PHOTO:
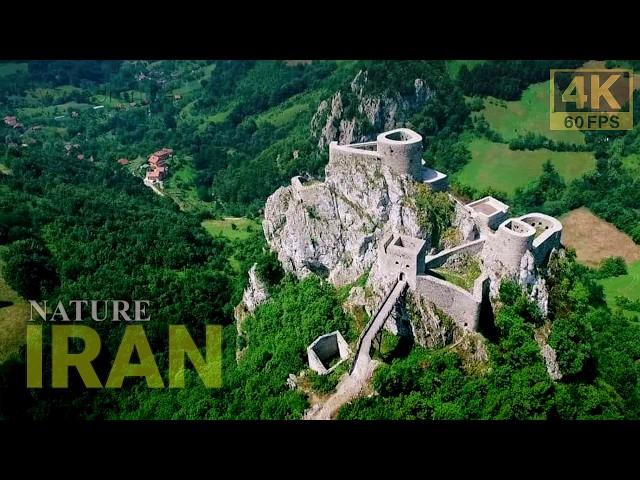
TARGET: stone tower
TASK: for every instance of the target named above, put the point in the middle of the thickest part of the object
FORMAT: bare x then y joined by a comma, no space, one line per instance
401,150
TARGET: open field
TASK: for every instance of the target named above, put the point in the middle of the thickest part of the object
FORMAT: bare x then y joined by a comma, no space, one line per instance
494,165
51,111
290,110
594,239
10,68
14,314
224,227
186,88
114,100
622,63
623,286
283,116
179,184
529,114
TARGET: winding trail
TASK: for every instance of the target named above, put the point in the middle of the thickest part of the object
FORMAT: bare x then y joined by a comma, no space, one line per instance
355,383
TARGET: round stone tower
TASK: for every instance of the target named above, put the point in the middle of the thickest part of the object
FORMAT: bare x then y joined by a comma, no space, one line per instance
401,149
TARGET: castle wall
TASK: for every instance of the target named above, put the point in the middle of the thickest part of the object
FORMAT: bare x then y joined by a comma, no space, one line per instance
474,248
487,224
488,220
437,181
347,154
305,191
462,306
548,239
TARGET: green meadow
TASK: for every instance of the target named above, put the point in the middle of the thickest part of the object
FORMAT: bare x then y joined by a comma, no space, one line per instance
495,165
529,114
623,286
233,228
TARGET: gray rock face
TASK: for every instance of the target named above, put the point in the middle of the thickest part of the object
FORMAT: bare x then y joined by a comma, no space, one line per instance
465,224
378,111
332,228
547,351
427,327
553,369
534,281
255,294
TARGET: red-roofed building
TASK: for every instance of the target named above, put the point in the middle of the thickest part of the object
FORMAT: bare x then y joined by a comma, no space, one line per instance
157,167
155,160
123,161
163,154
80,157
10,120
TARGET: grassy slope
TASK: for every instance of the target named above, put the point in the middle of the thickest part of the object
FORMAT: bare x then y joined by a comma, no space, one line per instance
529,114
494,165
625,285
224,227
13,319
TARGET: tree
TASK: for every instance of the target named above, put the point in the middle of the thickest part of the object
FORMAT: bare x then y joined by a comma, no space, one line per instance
29,269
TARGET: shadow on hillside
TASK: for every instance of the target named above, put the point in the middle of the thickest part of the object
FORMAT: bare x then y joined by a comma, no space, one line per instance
487,322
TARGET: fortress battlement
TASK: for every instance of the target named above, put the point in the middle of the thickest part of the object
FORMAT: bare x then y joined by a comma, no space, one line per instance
400,149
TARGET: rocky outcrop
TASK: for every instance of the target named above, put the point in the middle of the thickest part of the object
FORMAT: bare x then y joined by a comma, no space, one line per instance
472,349
254,294
533,280
548,353
350,114
465,225
333,228
429,327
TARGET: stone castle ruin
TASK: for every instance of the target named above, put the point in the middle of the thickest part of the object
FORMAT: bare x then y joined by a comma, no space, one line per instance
400,150
504,247
359,220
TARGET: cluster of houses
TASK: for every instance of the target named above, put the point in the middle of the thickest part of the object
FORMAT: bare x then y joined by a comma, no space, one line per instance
157,170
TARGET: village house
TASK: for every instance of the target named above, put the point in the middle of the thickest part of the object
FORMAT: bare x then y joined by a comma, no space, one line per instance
157,167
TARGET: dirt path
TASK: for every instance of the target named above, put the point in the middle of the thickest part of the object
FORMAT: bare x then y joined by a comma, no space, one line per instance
357,383
349,388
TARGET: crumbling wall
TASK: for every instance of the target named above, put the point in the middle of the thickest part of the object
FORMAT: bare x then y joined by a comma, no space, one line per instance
473,248
546,241
456,302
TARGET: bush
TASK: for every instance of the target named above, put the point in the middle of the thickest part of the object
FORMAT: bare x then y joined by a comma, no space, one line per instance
612,267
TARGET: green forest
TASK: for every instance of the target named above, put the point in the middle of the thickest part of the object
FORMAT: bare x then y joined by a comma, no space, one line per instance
76,228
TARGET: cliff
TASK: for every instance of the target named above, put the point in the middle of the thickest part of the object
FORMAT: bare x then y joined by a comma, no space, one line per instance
354,114
333,228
